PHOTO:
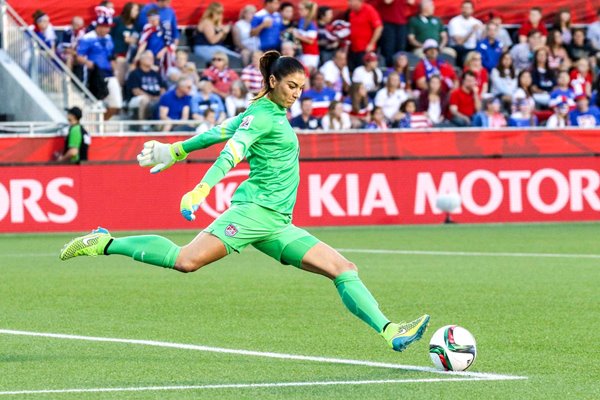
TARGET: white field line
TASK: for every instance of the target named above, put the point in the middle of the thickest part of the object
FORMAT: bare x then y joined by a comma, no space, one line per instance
402,252
239,386
262,354
469,253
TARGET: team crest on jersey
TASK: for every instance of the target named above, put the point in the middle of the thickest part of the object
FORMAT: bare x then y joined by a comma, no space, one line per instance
230,230
246,122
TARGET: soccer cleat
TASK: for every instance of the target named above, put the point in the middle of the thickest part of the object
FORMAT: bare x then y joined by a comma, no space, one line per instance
399,336
92,244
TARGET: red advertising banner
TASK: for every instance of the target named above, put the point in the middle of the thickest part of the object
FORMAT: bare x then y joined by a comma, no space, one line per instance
189,12
335,145
78,198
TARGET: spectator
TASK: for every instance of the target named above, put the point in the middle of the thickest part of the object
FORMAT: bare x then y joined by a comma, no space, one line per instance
490,48
43,29
412,119
243,41
320,95
220,74
288,25
503,35
425,26
208,121
523,116
251,75
394,16
522,53
377,121
533,23
177,70
369,74
431,65
593,34
207,98
464,30
306,119
390,98
402,68
583,115
210,34
358,105
125,38
504,79
336,118
543,78
579,48
267,26
582,78
562,23
490,116
434,102
190,71
143,87
336,72
67,48
473,64
464,101
174,105
77,140
524,90
238,100
365,31
558,57
95,51
563,90
560,117
326,38
154,38
168,20
307,33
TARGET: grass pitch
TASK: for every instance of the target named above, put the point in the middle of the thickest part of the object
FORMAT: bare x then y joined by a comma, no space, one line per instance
533,315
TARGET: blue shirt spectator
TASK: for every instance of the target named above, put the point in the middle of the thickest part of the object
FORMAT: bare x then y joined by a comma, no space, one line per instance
175,100
584,116
168,20
202,101
267,25
490,53
97,49
519,120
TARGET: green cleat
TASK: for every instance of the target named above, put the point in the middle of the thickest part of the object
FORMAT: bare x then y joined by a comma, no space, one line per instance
399,336
92,244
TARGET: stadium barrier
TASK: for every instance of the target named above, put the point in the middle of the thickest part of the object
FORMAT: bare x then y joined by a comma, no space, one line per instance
331,193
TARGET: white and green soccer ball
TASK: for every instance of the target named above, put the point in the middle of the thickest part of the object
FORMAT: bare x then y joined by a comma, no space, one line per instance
452,348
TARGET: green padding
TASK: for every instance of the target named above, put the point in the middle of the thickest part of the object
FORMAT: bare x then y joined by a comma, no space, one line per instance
294,252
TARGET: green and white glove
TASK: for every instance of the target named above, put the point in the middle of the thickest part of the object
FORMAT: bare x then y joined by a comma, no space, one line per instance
190,202
160,156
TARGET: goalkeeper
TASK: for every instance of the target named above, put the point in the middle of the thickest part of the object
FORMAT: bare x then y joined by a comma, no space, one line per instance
261,208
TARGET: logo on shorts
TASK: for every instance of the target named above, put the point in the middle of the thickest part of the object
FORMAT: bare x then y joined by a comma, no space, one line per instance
231,230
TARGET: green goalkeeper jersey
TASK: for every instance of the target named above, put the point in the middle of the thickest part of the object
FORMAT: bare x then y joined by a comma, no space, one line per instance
266,139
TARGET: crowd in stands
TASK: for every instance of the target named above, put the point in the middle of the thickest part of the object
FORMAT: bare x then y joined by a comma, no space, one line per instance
379,65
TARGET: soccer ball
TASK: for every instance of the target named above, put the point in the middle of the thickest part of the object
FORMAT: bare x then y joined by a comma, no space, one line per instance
452,348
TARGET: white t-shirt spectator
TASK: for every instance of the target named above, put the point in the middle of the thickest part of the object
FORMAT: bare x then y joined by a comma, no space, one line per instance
367,78
390,102
593,35
335,125
335,76
460,26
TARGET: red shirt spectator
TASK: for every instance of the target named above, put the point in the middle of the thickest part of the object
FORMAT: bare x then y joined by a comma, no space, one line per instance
395,12
533,22
363,23
430,65
527,26
464,101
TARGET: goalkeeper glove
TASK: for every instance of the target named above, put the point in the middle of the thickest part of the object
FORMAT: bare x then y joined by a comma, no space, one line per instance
192,200
160,156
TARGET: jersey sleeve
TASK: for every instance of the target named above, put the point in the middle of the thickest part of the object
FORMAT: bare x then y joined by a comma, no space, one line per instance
217,134
253,126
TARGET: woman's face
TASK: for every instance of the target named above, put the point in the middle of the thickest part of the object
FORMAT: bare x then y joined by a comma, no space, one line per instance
475,63
362,91
541,56
378,115
401,62
411,107
506,61
578,38
525,80
43,22
565,16
249,13
236,91
287,13
302,10
435,85
525,107
557,37
286,91
338,110
564,79
135,11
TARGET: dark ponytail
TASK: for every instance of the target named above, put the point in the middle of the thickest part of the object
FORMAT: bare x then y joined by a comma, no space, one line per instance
273,63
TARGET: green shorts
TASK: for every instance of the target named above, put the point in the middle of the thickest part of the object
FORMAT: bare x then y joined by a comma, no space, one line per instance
269,231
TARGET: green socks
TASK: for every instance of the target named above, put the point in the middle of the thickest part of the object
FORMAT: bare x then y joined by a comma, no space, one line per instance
149,249
357,298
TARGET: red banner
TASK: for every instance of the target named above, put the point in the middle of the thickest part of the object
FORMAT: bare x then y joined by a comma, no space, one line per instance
421,144
77,198
189,12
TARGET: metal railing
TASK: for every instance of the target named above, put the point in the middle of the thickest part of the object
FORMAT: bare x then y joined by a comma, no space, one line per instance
44,67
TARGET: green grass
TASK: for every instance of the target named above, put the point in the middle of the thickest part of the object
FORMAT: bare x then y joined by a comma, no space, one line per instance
531,316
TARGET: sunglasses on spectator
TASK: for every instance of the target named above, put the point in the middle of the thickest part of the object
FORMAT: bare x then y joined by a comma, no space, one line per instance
218,59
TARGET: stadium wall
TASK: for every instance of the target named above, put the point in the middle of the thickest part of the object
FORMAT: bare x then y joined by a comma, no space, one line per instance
331,193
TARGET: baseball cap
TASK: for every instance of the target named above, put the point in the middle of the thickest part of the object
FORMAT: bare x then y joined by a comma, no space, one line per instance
370,56
75,111
430,44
